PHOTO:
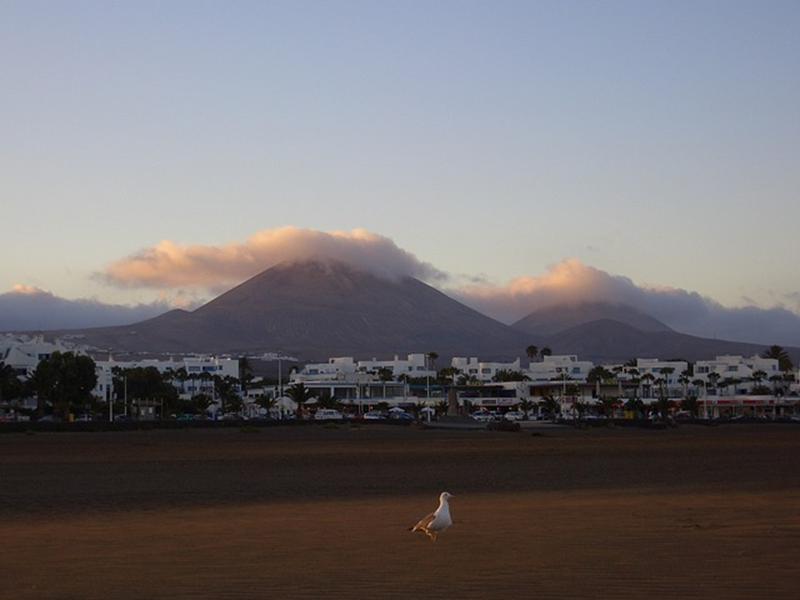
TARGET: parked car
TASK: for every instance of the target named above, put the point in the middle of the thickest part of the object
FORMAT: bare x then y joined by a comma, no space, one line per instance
49,419
374,415
400,416
328,414
482,416
514,415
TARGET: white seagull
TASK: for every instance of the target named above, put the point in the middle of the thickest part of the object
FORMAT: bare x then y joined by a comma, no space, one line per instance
439,520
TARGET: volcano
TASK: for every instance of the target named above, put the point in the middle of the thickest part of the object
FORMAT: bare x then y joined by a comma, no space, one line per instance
314,310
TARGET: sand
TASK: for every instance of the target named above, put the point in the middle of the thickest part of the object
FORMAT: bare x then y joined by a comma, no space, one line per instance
311,512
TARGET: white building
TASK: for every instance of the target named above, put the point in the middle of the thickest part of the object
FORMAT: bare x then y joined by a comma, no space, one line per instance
737,368
556,367
414,365
668,370
482,371
193,366
341,368
23,353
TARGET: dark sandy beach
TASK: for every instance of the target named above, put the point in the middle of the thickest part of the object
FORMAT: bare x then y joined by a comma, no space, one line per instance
311,512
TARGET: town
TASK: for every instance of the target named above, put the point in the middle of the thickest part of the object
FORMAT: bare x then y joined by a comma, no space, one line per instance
550,386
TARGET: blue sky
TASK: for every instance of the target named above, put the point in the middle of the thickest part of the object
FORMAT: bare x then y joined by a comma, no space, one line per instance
658,140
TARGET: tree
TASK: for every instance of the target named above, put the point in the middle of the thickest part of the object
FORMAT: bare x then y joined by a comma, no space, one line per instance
148,384
300,394
267,403
608,406
779,354
713,379
508,375
684,381
432,357
326,400
550,406
448,374
385,375
666,372
689,403
11,387
775,380
757,377
580,408
245,372
200,402
598,375
526,405
648,378
532,352
66,380
545,352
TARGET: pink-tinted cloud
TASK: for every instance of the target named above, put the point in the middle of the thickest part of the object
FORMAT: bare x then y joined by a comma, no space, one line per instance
573,282
172,265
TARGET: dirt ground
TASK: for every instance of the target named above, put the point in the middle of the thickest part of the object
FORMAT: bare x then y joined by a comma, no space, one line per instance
314,512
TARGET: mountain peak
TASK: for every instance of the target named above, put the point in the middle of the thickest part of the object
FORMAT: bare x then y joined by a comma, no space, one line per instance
553,319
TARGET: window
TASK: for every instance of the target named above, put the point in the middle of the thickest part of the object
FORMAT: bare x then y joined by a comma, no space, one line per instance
732,368
486,371
576,370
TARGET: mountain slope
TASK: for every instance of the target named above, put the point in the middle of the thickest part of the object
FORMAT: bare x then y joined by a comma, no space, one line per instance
315,310
606,340
551,320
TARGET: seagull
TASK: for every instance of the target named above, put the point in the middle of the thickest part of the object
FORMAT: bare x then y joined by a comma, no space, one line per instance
439,520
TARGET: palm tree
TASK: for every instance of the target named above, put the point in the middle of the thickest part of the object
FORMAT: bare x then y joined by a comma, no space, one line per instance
267,403
689,403
757,377
532,352
666,372
385,375
545,352
526,405
550,405
684,381
779,354
431,359
775,380
245,373
713,379
300,394
648,378
609,404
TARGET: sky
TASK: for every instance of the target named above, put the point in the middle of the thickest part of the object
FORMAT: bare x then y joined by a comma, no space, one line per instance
651,141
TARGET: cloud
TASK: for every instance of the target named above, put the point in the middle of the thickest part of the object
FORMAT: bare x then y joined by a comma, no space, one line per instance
170,265
573,282
27,308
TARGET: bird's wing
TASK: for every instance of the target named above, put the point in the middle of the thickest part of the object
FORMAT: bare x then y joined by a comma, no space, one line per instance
424,522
